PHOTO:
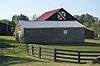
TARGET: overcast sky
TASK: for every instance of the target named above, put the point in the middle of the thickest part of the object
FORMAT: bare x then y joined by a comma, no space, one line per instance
8,8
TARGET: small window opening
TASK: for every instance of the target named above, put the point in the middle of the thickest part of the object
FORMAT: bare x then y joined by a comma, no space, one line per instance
65,31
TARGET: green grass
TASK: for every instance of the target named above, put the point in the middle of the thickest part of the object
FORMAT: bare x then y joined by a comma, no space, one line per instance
17,56
18,49
88,45
53,64
10,39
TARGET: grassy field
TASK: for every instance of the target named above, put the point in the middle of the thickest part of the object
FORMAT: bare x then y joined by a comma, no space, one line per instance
54,64
88,45
17,55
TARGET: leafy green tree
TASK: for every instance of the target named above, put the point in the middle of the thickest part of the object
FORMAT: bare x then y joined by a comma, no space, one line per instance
5,21
23,17
96,27
90,22
87,19
15,18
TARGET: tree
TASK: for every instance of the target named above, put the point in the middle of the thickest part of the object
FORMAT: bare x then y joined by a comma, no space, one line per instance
87,19
23,17
15,18
96,27
5,21
90,22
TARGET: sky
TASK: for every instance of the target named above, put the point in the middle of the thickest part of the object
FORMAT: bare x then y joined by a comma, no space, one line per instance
8,8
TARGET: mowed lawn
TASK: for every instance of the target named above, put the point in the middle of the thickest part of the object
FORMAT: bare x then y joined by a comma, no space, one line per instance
53,64
17,56
88,45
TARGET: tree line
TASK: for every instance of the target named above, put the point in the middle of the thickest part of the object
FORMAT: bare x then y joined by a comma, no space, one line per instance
90,22
15,18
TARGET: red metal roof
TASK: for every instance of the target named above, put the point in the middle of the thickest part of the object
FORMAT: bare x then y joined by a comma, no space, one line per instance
46,15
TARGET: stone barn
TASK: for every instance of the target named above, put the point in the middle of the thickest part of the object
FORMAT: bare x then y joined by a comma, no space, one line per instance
50,32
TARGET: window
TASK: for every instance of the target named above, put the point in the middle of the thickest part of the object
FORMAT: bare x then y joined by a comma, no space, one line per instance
65,31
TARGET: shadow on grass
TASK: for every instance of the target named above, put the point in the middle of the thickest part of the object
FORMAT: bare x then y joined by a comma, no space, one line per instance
92,44
82,44
9,60
5,45
71,62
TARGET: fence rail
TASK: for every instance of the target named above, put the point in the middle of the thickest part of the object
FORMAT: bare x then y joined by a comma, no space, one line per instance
64,55
41,52
76,55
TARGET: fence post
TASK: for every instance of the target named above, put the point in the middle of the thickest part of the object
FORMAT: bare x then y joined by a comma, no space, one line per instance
55,55
39,52
32,50
27,47
1,51
78,56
